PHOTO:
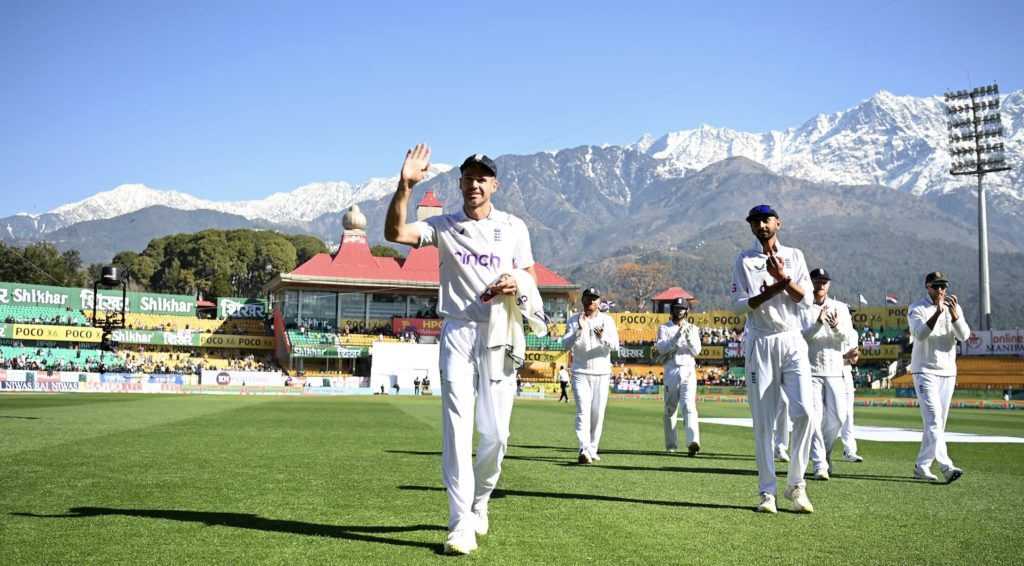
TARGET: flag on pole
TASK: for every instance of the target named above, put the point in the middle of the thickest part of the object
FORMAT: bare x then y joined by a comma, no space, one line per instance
863,301
892,299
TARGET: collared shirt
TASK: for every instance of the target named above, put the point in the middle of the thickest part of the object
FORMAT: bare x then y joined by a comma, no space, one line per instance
750,277
474,253
591,355
934,349
680,342
826,345
563,376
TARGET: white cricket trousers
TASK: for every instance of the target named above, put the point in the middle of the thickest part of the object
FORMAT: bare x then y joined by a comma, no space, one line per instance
591,392
782,425
680,390
774,364
829,415
849,442
934,392
464,373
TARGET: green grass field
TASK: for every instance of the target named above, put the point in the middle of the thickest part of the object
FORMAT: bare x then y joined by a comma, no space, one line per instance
136,479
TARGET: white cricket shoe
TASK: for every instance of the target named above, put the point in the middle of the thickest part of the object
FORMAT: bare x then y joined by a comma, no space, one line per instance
595,457
692,449
460,542
585,458
798,495
821,475
924,474
780,455
952,474
482,523
767,504
853,458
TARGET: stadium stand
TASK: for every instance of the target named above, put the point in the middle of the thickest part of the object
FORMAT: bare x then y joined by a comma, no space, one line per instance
534,342
172,323
645,336
63,359
20,314
980,372
322,338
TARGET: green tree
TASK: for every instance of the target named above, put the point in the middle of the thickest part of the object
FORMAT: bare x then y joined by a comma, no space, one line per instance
41,263
305,247
385,251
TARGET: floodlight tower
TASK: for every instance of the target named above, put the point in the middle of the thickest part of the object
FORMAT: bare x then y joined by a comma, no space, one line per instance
976,148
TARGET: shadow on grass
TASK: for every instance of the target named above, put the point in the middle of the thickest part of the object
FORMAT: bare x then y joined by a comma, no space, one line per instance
662,453
502,493
684,469
15,417
255,522
566,461
415,452
898,479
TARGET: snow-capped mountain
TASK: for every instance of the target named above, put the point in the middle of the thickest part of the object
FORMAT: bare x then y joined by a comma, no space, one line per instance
899,142
302,204
894,141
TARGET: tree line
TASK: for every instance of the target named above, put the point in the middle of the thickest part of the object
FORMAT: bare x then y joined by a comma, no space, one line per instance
211,263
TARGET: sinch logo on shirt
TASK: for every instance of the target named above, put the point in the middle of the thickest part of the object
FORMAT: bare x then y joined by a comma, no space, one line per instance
482,260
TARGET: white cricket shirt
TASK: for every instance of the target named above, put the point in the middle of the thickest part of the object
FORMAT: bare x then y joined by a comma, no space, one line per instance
473,254
591,355
749,279
825,345
934,349
680,349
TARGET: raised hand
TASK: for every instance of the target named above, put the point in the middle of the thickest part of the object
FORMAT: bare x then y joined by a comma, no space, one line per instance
951,303
776,266
832,319
416,165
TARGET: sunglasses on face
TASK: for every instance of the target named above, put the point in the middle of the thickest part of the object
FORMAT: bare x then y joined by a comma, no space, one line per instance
938,286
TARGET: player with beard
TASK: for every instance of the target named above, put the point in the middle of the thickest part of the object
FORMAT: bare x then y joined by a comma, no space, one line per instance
483,252
936,323
828,328
770,285
591,336
679,343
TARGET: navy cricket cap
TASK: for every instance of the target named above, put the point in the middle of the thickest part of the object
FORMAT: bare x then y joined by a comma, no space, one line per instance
591,291
679,303
820,273
935,277
761,210
482,160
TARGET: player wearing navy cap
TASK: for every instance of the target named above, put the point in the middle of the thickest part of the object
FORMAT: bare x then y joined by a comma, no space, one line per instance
590,336
677,344
936,323
828,328
770,285
480,249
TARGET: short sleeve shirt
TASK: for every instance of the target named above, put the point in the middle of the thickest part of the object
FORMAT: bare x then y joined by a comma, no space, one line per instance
749,279
474,253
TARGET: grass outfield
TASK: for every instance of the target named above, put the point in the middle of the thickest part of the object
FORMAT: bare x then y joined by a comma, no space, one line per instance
351,480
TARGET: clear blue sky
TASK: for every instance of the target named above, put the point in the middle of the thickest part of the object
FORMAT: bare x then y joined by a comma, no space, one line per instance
238,100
